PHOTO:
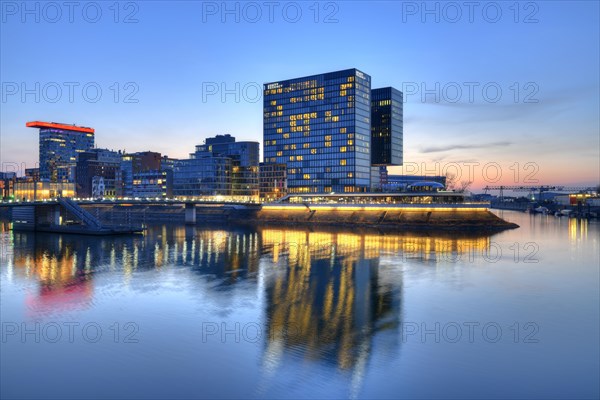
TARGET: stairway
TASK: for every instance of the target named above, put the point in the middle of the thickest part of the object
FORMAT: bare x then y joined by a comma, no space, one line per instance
80,213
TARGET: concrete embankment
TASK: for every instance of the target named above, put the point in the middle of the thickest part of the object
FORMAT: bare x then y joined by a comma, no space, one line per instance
475,219
140,213
442,219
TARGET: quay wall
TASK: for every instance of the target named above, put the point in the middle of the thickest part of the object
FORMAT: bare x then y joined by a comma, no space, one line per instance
479,219
445,219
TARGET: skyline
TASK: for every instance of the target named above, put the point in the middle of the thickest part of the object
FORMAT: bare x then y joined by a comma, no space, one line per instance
176,81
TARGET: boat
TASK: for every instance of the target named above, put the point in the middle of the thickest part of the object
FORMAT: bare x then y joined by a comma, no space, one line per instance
541,210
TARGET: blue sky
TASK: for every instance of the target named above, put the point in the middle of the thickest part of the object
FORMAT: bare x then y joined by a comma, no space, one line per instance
544,59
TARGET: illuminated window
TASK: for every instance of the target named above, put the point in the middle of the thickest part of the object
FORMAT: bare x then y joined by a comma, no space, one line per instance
343,162
313,151
306,145
343,149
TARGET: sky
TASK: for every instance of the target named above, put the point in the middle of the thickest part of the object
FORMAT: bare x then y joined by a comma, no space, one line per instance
495,92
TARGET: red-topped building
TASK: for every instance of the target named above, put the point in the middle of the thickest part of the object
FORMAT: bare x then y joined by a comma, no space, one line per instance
59,148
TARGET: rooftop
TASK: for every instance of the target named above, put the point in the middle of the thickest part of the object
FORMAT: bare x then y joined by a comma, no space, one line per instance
56,125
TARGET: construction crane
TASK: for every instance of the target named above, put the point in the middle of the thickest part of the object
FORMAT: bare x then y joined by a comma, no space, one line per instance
539,189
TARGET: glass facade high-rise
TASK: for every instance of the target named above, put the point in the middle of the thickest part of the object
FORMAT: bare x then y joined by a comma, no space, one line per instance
59,146
219,167
244,162
202,174
386,126
320,127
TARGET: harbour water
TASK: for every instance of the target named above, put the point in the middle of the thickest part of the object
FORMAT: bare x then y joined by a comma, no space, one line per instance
225,312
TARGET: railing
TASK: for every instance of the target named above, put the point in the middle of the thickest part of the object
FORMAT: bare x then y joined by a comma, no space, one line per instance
79,212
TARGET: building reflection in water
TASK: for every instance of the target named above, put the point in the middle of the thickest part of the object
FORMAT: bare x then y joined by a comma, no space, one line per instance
326,294
578,229
64,265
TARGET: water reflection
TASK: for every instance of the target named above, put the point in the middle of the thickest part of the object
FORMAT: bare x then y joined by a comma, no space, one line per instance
578,229
331,303
326,294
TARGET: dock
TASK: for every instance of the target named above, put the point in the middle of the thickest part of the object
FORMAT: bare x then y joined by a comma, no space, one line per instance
64,216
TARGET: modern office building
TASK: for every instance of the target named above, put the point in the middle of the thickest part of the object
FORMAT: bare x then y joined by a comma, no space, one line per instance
272,181
386,127
59,148
379,175
98,174
32,174
202,175
333,132
152,184
136,163
320,127
244,163
7,184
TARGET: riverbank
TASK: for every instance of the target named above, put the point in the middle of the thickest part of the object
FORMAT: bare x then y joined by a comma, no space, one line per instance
458,217
453,219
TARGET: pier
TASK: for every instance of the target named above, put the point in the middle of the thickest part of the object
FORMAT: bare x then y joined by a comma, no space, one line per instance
66,215
62,215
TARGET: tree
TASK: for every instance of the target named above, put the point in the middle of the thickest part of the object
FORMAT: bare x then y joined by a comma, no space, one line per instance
450,181
464,186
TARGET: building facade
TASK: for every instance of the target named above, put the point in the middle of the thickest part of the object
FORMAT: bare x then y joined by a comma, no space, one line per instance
242,175
272,181
320,127
202,175
152,184
59,148
386,127
33,191
98,174
7,184
135,163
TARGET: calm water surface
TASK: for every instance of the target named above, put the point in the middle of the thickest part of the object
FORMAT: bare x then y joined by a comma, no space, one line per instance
190,312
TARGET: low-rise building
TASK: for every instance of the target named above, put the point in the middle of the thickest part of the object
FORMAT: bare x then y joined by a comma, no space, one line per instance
272,181
28,190
7,184
152,184
400,183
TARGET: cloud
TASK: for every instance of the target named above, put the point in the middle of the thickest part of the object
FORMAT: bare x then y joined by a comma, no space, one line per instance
435,149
